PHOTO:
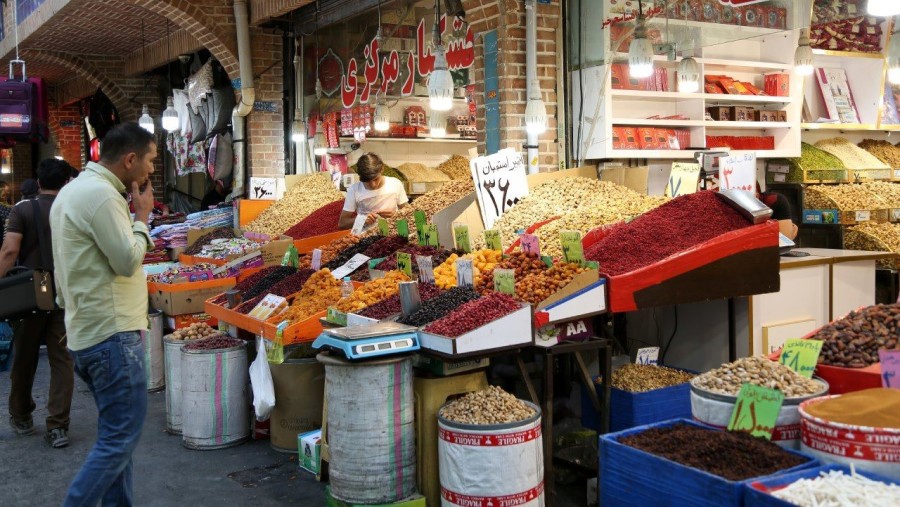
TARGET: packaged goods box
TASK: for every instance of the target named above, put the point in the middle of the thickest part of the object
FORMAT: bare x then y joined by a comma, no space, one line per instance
506,332
187,297
309,447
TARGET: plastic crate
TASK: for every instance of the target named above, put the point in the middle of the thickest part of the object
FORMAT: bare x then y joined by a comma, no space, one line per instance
628,409
631,477
757,493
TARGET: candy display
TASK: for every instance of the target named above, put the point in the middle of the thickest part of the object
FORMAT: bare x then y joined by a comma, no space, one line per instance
181,272
474,314
224,248
854,341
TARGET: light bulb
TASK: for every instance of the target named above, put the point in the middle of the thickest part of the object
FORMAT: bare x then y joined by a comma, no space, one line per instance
320,144
883,8
688,75
382,116
640,52
535,112
298,131
437,125
440,82
145,121
894,73
170,120
803,56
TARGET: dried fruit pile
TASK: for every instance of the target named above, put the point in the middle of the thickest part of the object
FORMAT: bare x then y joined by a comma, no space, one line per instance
732,455
301,200
331,250
457,168
346,254
490,406
246,284
220,233
372,292
319,292
196,331
440,306
286,287
215,342
758,371
537,287
854,341
640,378
271,278
474,314
524,264
385,246
391,305
438,256
665,231
322,221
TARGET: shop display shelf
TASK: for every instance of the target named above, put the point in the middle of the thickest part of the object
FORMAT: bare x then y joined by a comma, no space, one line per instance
299,332
512,330
307,245
628,409
759,493
249,209
186,297
709,97
449,138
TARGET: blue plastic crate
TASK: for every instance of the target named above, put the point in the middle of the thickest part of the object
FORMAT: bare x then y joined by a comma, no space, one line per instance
631,477
628,409
756,491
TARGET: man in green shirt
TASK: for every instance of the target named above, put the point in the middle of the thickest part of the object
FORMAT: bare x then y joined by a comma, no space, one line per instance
97,253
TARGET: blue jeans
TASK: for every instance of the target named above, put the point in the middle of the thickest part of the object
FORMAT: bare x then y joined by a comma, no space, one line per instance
114,372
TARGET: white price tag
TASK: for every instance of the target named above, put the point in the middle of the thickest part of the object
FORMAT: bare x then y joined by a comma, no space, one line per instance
500,183
896,173
426,268
895,215
464,273
647,355
359,225
683,179
263,188
317,259
352,265
738,172
863,216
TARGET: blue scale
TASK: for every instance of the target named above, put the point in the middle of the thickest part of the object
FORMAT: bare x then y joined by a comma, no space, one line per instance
370,340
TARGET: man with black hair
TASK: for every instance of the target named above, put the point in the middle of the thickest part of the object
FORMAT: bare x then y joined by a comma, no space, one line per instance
22,246
98,251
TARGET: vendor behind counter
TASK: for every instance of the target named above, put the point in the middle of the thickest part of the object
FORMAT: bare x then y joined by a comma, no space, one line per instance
374,196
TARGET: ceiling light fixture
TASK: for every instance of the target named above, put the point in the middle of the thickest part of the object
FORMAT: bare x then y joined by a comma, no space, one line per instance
440,82
688,75
382,116
146,121
320,144
883,8
803,55
640,51
170,120
437,125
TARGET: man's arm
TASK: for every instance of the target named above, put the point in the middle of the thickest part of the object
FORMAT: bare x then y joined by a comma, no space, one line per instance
124,244
345,221
12,244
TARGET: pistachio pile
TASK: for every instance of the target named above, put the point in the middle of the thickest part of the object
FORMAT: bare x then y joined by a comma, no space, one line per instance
419,172
884,150
846,197
887,191
305,197
875,237
759,371
457,168
639,378
490,406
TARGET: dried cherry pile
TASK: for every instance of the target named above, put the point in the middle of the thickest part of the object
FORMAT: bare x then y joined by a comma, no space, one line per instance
246,283
290,285
386,246
732,455
214,342
346,254
440,306
220,233
391,305
262,286
322,221
675,226
474,314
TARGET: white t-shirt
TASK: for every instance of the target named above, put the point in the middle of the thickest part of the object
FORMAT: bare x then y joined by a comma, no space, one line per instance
389,197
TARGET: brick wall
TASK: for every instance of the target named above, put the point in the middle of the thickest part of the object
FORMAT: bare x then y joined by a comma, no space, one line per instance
263,10
22,168
66,127
265,129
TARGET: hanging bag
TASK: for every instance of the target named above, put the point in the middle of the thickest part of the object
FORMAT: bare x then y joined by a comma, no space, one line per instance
17,104
24,290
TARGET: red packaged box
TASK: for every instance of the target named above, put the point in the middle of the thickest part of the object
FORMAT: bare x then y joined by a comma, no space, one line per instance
778,84
752,89
617,138
630,139
647,138
754,15
619,76
714,88
728,84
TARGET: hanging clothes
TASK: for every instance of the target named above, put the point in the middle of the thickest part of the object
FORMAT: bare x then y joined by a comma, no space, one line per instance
189,157
180,103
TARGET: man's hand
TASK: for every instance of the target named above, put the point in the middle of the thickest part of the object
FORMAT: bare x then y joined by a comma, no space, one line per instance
372,218
142,201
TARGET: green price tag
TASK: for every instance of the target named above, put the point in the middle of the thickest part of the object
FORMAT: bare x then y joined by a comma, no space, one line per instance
547,260
592,265
571,246
430,232
336,316
404,263
375,262
492,239
801,355
291,257
419,217
505,281
756,411
383,227
461,233
403,228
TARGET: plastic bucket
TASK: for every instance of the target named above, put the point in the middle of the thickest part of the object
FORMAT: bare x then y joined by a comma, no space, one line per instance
172,352
153,353
215,397
299,393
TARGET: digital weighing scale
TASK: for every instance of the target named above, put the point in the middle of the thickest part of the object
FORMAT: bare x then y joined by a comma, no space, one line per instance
370,340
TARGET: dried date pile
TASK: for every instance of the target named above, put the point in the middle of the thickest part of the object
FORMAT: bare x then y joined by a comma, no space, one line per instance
214,342
732,455
440,306
524,264
474,314
490,406
331,250
854,341
391,305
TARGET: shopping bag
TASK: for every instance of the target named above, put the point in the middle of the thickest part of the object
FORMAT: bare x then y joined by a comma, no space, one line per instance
261,381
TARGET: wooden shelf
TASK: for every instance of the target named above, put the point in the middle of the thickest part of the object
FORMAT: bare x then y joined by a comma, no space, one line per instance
758,99
859,127
848,54
733,65
689,154
727,32
646,122
448,139
714,97
750,125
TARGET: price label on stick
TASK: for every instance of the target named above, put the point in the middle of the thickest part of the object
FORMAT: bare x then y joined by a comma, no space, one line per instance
426,268
461,234
383,227
336,316
890,363
756,411
430,232
592,265
647,355
571,246
403,228
531,244
548,261
492,239
801,355
359,225
683,179
404,263
352,265
464,273
419,217
505,281
317,259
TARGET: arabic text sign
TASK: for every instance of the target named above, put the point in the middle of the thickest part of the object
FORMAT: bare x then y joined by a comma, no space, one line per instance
500,182
738,172
756,411
683,179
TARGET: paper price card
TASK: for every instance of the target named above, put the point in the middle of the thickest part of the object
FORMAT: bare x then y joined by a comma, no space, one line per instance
426,268
291,257
505,281
492,239
336,316
268,307
500,183
383,227
738,172
548,261
430,234
359,225
683,179
890,363
530,244
756,411
571,246
419,217
647,355
404,263
465,273
263,188
801,355
461,235
317,259
403,228
352,265
592,265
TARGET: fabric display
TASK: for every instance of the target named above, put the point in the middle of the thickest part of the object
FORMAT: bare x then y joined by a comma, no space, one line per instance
189,157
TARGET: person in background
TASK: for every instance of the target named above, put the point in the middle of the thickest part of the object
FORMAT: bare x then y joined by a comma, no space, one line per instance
374,196
5,193
30,188
97,252
216,195
781,211
21,245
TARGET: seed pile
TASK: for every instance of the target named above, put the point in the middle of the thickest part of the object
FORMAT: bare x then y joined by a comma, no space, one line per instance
490,406
757,371
854,341
883,150
322,221
665,231
433,201
391,305
876,408
640,378
440,306
819,165
346,254
835,489
524,264
536,287
372,292
474,314
846,196
419,172
875,237
457,168
319,292
220,233
385,246
298,202
196,331
331,250
731,455
850,154
214,342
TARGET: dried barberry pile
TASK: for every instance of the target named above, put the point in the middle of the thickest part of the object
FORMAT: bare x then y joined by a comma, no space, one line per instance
440,306
322,221
474,314
214,343
385,246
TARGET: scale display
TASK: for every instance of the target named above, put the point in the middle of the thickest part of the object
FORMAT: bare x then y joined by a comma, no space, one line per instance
370,340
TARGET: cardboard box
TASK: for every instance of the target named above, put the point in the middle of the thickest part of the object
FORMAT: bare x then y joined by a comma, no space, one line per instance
719,113
188,297
416,500
574,330
742,113
176,322
741,88
635,178
507,331
446,367
309,448
617,138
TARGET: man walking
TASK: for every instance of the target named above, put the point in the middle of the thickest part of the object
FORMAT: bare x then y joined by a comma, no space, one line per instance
22,243
98,251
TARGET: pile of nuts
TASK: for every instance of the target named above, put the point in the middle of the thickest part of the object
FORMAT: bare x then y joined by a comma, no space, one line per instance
875,237
640,378
331,250
440,306
884,150
819,165
215,342
319,292
846,196
850,154
196,331
372,292
758,371
298,202
432,202
889,192
854,341
537,287
524,264
491,406
419,172
474,314
457,168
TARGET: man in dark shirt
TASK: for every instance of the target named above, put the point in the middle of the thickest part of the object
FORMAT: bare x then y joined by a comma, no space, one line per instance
21,245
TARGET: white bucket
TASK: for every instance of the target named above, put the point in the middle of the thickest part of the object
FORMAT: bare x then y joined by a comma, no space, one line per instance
875,450
500,464
715,409
370,429
172,349
153,353
215,399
